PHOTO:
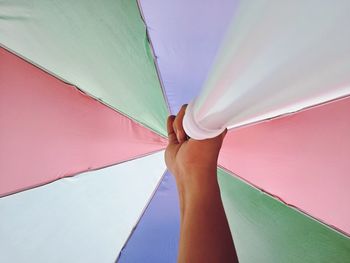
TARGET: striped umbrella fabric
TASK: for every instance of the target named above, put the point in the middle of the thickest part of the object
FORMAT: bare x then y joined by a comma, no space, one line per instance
85,90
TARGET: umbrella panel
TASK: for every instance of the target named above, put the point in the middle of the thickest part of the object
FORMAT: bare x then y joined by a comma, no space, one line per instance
50,129
86,218
101,48
302,159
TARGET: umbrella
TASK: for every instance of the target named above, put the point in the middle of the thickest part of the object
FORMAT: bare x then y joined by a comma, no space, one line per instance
85,89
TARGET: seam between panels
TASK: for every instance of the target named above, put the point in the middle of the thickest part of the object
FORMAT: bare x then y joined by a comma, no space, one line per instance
141,214
295,208
27,60
155,61
83,92
81,172
287,114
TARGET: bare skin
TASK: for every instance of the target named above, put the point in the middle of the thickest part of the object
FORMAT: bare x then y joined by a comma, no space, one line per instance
205,235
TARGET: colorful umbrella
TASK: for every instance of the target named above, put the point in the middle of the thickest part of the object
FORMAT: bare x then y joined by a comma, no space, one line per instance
84,97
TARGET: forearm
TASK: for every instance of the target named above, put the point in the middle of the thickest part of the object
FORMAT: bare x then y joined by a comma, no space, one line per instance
205,234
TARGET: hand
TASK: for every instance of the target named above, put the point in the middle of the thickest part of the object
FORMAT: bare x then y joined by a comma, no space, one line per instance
204,231
184,156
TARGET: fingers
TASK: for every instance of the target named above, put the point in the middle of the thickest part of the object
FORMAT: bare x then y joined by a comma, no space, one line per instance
176,132
171,133
177,125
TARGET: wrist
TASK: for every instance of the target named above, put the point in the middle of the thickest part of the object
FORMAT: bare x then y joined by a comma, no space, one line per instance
197,181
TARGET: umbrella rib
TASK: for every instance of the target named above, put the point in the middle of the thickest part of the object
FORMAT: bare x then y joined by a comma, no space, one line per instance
27,60
81,172
288,113
141,214
275,197
155,61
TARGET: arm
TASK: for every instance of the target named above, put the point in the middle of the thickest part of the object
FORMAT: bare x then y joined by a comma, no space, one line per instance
205,234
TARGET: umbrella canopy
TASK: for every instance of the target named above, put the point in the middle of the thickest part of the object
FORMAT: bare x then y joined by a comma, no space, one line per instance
85,89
